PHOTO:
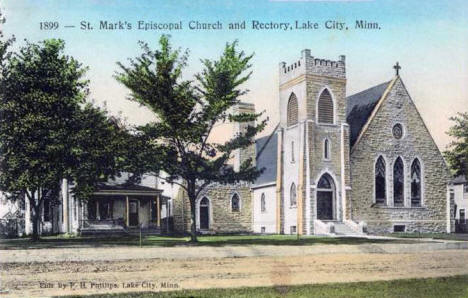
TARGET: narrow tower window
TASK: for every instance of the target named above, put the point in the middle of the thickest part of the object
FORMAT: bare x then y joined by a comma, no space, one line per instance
292,196
326,149
380,194
263,203
292,151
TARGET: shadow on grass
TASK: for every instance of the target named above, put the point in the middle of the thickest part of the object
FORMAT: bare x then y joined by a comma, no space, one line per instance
161,241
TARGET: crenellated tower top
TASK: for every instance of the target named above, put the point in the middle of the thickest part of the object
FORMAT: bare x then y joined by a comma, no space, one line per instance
307,64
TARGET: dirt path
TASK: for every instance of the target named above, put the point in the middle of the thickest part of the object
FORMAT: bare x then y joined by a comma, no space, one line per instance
43,279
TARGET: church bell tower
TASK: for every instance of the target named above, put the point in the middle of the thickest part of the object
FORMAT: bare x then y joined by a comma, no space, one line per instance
313,144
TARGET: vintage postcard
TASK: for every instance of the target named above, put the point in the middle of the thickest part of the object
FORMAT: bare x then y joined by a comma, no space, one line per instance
269,148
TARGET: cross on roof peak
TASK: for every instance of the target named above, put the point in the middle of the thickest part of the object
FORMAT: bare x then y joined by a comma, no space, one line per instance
397,68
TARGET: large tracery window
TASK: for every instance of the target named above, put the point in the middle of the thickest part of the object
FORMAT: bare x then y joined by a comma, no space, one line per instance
293,110
292,196
325,107
380,190
398,183
416,183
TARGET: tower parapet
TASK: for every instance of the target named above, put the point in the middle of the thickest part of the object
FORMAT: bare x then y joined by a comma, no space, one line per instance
307,64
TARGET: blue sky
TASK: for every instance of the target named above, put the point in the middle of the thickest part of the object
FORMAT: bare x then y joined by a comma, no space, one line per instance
428,38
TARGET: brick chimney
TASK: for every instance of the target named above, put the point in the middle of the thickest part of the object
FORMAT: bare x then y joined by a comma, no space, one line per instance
240,155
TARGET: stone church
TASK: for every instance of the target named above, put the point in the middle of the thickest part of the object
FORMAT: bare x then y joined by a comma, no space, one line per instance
335,164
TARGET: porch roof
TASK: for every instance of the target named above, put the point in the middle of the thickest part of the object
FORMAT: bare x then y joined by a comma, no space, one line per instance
126,190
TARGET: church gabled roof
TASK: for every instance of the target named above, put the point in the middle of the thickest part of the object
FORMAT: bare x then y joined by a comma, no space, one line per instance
360,106
266,149
461,179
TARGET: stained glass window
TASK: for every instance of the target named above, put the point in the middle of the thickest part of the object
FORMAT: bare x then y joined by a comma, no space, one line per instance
380,194
397,131
415,183
398,182
235,203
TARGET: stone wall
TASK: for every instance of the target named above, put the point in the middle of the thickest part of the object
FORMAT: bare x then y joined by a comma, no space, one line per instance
222,218
415,143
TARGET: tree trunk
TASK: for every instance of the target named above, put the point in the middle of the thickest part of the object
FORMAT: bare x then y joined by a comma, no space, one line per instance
36,222
193,223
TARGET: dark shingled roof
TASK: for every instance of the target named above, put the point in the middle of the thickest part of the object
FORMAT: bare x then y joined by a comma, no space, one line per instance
360,107
459,180
124,187
266,149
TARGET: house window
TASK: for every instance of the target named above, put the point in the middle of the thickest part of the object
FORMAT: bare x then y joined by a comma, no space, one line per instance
235,203
263,230
416,183
326,149
380,190
466,187
293,229
105,209
92,210
399,228
263,203
462,216
46,209
398,182
293,110
292,196
325,107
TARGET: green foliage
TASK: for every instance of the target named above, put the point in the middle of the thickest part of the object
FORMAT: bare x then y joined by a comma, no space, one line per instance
48,132
188,111
457,153
41,91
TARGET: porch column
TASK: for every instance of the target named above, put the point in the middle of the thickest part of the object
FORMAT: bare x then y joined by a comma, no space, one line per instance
65,223
98,215
127,220
158,211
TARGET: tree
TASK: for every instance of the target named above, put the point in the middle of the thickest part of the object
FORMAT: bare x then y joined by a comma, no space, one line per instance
187,112
47,132
457,153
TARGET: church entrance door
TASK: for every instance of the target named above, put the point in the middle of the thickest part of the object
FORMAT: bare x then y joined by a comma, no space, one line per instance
204,214
325,198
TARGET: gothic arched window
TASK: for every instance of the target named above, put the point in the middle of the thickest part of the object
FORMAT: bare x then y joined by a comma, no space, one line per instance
416,183
293,110
398,183
235,203
325,107
292,196
380,193
262,203
326,149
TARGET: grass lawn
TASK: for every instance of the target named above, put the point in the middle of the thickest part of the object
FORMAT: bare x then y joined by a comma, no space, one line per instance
61,241
456,286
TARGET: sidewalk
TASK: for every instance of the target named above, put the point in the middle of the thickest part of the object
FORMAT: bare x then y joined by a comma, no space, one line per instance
233,251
